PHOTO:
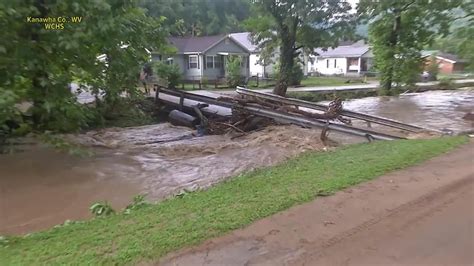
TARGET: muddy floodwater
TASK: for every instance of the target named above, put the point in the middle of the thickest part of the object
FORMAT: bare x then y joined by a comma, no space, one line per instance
433,109
40,187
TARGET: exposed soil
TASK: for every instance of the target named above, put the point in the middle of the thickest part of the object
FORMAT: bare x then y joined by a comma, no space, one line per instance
422,215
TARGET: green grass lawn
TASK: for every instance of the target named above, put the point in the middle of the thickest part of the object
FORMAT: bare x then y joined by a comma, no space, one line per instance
314,96
313,82
465,75
265,84
150,232
330,81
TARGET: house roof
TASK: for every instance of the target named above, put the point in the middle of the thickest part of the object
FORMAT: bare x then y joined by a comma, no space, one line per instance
447,56
357,49
194,44
244,39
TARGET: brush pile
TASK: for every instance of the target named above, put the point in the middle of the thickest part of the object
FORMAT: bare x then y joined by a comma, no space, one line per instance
243,121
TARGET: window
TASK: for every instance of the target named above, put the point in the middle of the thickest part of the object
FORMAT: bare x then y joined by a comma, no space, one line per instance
327,63
193,61
210,61
169,61
217,61
335,62
213,61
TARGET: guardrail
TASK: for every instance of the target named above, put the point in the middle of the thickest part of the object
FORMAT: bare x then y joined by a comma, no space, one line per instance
277,115
321,107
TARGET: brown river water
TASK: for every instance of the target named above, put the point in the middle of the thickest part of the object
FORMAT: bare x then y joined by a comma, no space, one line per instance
40,187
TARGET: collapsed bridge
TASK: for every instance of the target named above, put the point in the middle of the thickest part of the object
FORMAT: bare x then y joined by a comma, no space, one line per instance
284,110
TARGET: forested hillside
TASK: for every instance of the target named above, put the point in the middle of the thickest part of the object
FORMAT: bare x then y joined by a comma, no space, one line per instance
199,17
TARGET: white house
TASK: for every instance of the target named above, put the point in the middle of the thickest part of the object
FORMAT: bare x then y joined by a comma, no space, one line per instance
353,59
256,67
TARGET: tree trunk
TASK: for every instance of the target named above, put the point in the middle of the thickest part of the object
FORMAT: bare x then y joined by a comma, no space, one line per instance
287,54
40,91
387,84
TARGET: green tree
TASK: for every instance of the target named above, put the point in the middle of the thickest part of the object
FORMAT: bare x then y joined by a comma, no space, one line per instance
37,65
172,73
232,69
199,17
296,76
460,41
295,25
398,31
433,67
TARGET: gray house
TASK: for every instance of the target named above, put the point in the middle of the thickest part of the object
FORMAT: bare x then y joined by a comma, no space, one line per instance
204,58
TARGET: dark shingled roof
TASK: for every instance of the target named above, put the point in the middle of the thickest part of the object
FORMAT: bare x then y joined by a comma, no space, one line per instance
194,44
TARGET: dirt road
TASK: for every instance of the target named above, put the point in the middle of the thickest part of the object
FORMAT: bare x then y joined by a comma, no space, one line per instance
423,215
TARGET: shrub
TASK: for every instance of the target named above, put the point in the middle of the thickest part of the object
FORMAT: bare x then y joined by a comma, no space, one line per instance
445,83
102,209
233,71
171,73
9,115
296,75
137,202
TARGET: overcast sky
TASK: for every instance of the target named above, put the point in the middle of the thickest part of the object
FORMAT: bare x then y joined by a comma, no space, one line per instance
353,2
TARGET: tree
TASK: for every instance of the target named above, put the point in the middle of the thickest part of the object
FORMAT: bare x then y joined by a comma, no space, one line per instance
433,67
37,65
398,31
199,17
460,41
232,69
170,72
295,25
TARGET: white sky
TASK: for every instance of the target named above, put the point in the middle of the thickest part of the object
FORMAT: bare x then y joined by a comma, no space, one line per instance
353,3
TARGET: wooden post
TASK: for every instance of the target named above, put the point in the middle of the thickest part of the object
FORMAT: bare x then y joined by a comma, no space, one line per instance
257,80
182,85
200,84
181,101
157,93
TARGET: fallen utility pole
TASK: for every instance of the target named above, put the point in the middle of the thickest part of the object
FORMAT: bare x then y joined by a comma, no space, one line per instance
321,107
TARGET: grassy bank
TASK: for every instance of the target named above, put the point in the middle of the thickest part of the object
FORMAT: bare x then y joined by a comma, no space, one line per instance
152,231
318,96
314,82
269,83
330,81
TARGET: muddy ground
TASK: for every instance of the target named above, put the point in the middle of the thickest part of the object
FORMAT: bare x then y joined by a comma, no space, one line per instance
422,215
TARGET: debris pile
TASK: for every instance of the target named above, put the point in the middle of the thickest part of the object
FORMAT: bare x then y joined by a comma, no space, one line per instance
241,121
333,112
